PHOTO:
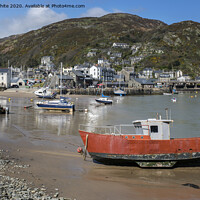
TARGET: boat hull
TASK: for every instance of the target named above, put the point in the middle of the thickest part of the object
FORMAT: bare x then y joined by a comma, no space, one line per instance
56,107
52,96
107,148
104,102
120,93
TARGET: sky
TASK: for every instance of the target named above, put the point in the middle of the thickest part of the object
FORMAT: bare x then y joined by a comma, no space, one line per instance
19,17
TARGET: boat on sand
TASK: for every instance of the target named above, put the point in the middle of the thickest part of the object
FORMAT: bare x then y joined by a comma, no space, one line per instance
60,105
146,143
45,93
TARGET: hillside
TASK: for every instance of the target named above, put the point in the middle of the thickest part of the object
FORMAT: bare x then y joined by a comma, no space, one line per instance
161,46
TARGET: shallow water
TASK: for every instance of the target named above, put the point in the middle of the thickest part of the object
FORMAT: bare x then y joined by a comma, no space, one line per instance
36,122
117,182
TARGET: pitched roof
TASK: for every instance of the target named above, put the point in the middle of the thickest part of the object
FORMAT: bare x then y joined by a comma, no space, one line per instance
65,77
15,80
144,81
78,73
3,70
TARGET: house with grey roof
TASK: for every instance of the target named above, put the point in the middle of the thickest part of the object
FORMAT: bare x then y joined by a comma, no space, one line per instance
17,81
66,81
5,78
142,83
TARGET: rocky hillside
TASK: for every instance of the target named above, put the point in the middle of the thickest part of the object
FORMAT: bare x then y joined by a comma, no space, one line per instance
180,45
161,46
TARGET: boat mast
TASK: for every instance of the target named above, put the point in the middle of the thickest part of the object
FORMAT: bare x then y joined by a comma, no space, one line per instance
61,79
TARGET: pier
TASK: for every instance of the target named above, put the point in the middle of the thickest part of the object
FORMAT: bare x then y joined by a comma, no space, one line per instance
185,86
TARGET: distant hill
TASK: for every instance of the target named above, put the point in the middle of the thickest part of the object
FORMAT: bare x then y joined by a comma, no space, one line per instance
161,46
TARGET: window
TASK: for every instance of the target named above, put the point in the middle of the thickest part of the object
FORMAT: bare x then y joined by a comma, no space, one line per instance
154,129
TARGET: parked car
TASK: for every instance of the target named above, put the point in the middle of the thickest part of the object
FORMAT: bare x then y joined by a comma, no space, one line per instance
14,86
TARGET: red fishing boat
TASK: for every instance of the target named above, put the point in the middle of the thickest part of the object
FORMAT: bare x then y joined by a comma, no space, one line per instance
146,143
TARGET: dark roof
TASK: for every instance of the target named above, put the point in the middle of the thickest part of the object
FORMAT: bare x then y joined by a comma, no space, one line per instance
158,71
164,76
147,69
144,81
119,76
3,70
65,77
78,73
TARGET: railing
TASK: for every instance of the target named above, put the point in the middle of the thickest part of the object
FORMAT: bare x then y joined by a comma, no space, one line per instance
115,129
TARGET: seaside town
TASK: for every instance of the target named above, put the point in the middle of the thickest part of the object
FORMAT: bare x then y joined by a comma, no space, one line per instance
91,75
100,108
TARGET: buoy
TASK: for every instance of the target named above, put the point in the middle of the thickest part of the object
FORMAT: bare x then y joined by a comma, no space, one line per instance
9,99
80,150
31,99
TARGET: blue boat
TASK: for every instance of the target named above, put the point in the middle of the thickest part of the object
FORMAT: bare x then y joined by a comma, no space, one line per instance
62,105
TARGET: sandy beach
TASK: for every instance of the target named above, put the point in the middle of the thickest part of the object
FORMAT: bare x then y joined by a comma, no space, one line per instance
54,165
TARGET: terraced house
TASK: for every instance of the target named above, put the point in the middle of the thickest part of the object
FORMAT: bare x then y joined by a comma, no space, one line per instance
5,78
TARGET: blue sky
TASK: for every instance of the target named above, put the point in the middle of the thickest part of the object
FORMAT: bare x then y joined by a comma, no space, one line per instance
21,20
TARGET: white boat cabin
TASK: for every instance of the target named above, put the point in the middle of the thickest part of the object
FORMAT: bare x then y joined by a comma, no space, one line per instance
157,129
42,91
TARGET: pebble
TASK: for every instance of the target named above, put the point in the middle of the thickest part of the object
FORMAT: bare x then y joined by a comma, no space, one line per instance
18,189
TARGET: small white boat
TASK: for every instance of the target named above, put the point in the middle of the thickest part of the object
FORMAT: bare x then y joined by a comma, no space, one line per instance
45,93
167,93
120,92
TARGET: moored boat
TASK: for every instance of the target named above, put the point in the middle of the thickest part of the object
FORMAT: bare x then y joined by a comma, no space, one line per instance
167,93
104,100
146,143
4,110
62,105
120,92
45,93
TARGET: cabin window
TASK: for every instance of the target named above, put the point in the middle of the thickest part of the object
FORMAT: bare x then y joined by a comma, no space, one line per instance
154,129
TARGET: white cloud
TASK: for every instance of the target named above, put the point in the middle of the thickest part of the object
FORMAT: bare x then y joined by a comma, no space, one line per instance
35,18
95,12
117,11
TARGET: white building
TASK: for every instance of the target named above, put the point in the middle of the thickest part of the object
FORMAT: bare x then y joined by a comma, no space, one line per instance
47,62
5,78
102,73
67,70
17,81
95,72
178,73
121,45
148,72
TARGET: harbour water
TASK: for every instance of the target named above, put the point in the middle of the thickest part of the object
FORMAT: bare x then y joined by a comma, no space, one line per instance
36,122
117,182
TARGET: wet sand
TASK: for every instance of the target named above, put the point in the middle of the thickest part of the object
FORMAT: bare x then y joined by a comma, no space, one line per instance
56,165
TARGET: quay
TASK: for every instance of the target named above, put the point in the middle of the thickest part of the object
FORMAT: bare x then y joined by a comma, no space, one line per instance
110,91
185,85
